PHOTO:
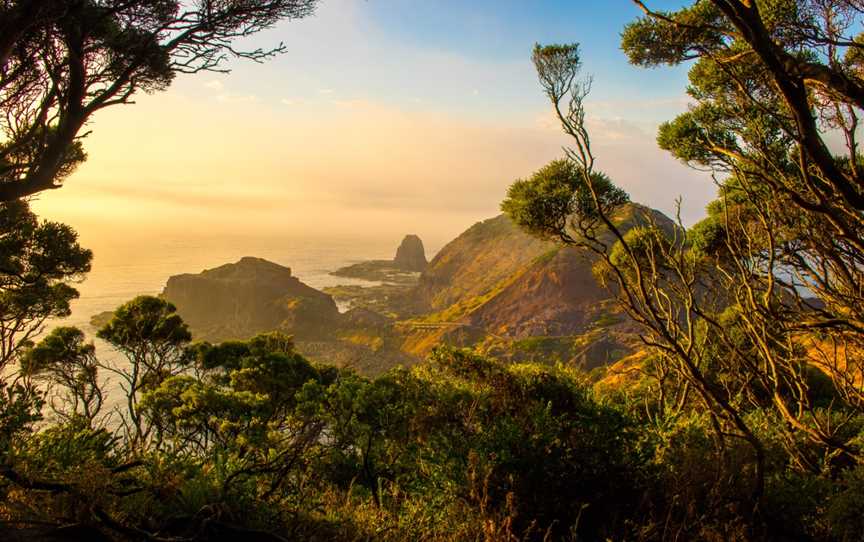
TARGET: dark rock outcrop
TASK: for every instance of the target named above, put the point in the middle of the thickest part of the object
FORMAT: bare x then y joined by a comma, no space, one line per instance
403,269
411,256
242,299
252,296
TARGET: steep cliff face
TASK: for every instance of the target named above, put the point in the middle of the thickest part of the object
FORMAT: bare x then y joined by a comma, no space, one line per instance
410,256
247,297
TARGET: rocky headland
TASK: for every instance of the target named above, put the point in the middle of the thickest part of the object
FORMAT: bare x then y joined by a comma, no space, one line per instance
243,298
251,296
493,289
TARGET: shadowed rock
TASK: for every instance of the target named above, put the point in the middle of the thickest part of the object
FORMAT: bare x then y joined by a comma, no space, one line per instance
410,259
241,299
411,256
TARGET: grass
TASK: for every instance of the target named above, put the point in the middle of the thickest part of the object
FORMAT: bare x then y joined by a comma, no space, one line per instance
547,257
371,341
465,307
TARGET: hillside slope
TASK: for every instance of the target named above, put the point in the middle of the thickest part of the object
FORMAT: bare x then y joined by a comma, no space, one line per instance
497,289
476,261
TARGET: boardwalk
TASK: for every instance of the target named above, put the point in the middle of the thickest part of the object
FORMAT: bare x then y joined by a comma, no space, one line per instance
418,324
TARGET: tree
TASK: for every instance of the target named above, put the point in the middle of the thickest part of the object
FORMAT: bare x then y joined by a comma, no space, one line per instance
808,53
243,408
61,61
153,338
646,267
773,84
37,260
67,364
743,306
558,192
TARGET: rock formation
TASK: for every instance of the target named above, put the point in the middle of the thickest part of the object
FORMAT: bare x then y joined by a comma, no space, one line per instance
252,296
241,299
410,256
410,259
493,287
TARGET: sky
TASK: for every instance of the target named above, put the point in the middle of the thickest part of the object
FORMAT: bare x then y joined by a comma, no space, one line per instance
384,117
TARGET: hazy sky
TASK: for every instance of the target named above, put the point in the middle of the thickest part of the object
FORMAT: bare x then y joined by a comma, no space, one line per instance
385,117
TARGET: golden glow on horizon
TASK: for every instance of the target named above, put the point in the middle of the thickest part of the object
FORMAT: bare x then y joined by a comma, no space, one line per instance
173,165
285,147
168,161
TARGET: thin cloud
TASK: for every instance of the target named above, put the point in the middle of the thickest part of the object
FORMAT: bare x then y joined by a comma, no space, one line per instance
233,98
214,85
350,103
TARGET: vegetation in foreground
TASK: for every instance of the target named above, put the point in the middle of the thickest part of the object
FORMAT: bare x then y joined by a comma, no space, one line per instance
250,439
745,419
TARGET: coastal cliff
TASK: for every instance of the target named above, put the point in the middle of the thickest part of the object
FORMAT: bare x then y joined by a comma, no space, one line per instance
240,299
494,289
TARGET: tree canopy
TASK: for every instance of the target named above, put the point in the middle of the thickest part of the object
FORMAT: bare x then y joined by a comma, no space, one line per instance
38,259
61,61
758,307
742,418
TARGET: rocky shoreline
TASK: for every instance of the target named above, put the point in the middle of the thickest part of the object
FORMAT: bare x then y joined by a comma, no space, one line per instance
493,289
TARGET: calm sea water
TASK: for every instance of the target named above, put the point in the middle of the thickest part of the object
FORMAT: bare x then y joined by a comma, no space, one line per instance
125,269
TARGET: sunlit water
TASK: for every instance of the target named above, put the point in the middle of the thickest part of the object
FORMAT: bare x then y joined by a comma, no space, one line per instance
122,271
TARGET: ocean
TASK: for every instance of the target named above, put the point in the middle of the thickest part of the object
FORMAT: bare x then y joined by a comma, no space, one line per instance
124,269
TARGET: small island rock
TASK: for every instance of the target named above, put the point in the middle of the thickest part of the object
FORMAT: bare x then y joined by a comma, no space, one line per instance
411,256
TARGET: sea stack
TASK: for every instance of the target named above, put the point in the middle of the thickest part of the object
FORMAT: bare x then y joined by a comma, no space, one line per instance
411,256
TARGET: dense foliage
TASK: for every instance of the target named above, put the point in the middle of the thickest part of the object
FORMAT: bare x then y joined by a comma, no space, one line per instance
253,436
249,439
742,418
750,317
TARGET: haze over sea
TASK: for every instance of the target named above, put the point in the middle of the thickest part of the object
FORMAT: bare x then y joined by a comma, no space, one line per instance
123,269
